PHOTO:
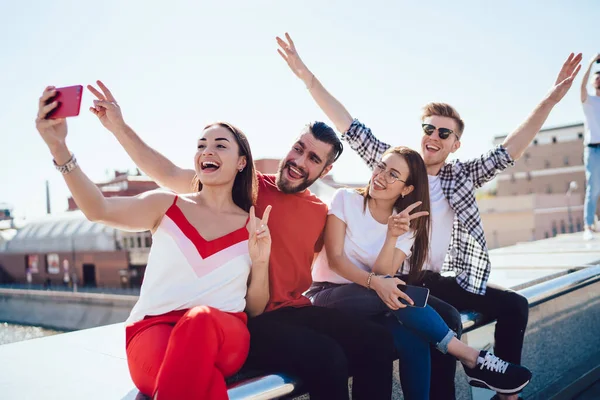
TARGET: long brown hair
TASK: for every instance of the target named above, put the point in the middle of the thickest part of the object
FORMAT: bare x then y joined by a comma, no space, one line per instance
417,177
245,185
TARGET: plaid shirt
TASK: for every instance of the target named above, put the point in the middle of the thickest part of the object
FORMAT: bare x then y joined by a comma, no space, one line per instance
467,253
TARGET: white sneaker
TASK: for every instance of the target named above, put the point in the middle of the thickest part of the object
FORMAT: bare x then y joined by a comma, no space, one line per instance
588,234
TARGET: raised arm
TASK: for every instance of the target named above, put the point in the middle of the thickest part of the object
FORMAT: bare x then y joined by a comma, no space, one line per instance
334,110
517,142
360,138
586,78
153,163
139,213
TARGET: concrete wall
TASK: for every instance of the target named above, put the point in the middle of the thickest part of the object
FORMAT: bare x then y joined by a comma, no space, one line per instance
63,311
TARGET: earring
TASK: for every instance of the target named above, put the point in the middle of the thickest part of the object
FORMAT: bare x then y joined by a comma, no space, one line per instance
403,195
241,169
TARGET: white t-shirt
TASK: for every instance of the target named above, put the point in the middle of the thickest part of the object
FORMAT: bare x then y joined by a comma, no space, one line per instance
591,109
364,237
442,219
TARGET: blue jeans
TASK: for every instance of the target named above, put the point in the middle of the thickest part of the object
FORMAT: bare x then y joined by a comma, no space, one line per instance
413,329
591,159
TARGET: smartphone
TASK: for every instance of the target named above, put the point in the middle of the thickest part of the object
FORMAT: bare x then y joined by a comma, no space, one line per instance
69,102
418,294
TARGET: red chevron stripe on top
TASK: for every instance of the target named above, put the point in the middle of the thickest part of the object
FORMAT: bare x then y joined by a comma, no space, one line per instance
205,247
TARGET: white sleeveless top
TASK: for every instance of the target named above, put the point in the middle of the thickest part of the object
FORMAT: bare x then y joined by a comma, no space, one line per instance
184,270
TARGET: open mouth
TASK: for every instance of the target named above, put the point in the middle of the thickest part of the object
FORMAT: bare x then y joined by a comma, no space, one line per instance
209,166
294,173
378,185
432,148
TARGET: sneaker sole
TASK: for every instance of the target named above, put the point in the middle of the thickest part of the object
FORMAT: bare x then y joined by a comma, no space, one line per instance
482,384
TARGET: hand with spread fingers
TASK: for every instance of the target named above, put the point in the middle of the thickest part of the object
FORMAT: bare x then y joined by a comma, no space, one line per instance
287,50
53,131
106,108
399,224
259,242
565,78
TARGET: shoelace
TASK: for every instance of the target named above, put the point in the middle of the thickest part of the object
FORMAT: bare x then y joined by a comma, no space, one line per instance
493,363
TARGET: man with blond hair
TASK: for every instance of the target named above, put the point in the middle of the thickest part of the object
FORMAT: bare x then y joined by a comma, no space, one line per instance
457,242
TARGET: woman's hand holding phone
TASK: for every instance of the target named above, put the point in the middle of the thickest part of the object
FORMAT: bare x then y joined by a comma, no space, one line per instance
387,290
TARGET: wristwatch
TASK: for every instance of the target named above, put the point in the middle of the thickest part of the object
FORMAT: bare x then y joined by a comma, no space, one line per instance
68,166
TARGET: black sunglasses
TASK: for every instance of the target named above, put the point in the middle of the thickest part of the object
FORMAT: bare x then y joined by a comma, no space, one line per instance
444,133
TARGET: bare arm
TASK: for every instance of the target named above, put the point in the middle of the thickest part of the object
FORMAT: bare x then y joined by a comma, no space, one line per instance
386,288
259,248
391,257
334,110
586,78
517,142
139,213
153,163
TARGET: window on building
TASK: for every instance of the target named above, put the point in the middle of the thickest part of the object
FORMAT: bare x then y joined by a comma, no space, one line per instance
566,160
535,142
139,242
578,225
546,235
549,189
553,139
580,136
131,243
547,163
563,227
148,240
554,230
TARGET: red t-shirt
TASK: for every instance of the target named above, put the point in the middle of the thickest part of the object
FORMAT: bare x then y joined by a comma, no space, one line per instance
296,224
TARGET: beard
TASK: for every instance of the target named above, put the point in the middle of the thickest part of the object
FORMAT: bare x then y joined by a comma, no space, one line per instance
288,187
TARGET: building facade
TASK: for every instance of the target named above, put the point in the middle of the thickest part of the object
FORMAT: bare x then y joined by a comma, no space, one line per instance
542,195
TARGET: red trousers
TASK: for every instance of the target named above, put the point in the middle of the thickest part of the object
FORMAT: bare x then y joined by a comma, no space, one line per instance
187,354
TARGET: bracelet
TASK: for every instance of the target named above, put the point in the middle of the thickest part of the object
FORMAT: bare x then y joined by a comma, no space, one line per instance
369,280
67,167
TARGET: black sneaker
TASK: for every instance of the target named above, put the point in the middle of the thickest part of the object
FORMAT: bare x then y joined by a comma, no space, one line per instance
497,375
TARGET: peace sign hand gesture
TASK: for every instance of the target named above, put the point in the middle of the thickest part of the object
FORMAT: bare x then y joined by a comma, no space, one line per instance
106,108
259,242
399,224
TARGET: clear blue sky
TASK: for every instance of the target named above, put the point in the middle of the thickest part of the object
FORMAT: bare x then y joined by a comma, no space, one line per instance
175,67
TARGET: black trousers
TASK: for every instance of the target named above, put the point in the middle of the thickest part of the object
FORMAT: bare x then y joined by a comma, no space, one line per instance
510,309
322,347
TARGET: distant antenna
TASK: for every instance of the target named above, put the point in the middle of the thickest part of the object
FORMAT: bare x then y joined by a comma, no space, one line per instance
48,210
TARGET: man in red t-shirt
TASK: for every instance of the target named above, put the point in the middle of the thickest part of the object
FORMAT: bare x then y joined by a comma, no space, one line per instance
320,346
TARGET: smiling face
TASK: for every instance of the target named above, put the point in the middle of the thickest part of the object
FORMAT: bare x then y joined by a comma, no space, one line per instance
217,161
306,162
389,177
434,149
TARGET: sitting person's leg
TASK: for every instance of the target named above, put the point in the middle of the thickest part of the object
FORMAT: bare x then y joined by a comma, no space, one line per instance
322,347
414,361
215,342
509,308
429,325
443,366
